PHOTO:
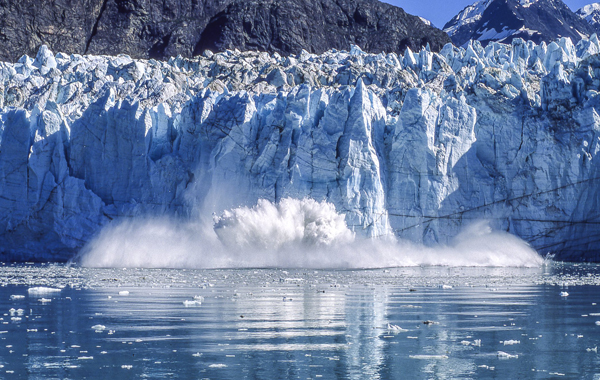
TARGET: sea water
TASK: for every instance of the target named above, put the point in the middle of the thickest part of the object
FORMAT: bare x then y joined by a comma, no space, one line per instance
68,322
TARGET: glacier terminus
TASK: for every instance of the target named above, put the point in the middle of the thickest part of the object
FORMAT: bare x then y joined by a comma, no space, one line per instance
414,146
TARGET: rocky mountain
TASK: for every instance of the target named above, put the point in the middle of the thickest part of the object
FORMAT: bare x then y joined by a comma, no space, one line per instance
414,146
505,20
165,28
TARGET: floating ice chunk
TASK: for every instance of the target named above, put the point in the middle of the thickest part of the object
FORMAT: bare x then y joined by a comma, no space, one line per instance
44,300
597,323
564,294
437,357
14,311
446,286
217,365
85,358
42,290
511,342
188,303
594,314
99,328
556,374
476,343
395,328
124,293
15,297
197,355
505,355
595,349
15,319
199,298
127,366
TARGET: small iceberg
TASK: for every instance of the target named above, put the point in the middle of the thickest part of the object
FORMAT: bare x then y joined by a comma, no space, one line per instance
188,303
505,355
395,328
564,294
475,343
124,293
42,290
425,357
98,328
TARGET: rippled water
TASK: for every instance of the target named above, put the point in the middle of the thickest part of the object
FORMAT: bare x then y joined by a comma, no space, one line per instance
502,323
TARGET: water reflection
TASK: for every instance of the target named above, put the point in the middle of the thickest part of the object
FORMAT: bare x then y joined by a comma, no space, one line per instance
284,324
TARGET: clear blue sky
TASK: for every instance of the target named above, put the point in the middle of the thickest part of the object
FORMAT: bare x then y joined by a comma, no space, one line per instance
441,11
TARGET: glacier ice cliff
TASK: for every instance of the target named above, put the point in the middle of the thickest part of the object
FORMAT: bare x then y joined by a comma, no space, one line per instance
415,145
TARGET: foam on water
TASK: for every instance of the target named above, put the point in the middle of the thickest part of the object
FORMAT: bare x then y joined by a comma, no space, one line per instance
293,234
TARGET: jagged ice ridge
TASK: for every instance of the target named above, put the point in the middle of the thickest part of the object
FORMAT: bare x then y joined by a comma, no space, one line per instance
415,146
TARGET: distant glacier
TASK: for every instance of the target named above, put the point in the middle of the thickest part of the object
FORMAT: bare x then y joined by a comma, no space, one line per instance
414,147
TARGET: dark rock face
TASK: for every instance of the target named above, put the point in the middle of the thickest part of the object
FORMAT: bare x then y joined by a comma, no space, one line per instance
66,25
505,20
288,26
165,28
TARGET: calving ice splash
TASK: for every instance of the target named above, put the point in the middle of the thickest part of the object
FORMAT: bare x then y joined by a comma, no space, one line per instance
289,234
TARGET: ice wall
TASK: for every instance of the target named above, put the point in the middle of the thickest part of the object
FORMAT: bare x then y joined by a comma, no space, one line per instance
415,146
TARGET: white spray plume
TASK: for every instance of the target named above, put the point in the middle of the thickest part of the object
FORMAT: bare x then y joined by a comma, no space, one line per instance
290,234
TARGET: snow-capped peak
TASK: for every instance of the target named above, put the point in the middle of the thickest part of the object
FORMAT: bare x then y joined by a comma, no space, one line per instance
471,14
591,14
503,20
587,10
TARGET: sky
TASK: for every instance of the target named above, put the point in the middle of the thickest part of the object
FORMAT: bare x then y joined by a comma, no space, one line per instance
441,11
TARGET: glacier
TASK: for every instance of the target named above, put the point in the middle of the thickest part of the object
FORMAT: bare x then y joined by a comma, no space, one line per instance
414,146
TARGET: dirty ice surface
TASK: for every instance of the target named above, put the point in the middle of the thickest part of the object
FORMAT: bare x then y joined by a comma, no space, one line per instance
423,322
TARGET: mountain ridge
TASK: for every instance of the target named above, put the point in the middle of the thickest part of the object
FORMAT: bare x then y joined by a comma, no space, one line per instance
505,20
161,29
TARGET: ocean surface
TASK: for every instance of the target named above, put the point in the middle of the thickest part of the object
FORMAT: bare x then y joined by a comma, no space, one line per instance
66,322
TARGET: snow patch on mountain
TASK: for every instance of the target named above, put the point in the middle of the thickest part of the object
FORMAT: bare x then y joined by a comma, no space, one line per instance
527,3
